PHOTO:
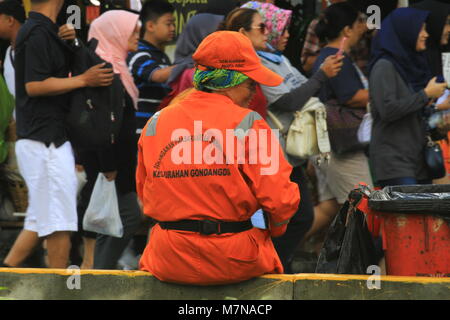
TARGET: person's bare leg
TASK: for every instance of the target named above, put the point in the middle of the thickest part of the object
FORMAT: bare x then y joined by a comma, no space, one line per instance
324,214
44,246
58,249
22,248
88,253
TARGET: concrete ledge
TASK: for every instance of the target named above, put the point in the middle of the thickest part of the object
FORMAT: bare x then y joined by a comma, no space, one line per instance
352,287
49,284
129,285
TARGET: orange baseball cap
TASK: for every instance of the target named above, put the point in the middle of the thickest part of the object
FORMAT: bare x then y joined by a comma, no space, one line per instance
233,51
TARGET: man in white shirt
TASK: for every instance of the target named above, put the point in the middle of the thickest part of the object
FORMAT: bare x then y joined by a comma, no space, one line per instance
12,16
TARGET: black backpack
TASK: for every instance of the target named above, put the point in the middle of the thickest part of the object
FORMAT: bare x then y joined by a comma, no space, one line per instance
95,114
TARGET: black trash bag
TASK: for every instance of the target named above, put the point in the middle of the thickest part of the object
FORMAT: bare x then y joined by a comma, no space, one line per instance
329,254
415,199
349,247
358,250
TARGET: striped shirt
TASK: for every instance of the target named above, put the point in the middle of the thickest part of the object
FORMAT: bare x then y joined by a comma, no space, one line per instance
142,63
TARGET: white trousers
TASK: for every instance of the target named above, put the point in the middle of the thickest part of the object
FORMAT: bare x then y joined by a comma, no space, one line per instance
51,180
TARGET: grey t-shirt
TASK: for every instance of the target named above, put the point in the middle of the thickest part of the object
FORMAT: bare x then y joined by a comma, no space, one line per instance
398,133
292,79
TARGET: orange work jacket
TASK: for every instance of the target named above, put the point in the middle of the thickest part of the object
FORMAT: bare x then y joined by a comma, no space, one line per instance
197,161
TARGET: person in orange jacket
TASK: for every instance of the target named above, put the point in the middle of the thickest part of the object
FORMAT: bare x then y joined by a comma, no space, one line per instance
206,164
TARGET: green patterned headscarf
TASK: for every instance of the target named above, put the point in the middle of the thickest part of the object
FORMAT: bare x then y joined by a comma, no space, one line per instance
216,79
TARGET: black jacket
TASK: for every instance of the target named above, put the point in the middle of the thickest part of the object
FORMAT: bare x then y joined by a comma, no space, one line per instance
121,157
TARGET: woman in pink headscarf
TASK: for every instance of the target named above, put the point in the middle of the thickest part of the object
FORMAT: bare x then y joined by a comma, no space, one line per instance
117,33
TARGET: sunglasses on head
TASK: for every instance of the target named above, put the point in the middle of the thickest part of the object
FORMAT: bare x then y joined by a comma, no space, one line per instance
262,27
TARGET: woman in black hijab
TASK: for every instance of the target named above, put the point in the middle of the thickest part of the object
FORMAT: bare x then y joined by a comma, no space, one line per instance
400,89
438,27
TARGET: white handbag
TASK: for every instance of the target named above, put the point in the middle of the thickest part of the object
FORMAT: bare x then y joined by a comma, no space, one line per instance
308,134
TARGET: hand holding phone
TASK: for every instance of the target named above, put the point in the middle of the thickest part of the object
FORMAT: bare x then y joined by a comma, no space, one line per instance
341,46
441,79
332,65
435,89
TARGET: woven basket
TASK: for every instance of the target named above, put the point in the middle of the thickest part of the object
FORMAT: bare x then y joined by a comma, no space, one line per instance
19,195
15,183
11,135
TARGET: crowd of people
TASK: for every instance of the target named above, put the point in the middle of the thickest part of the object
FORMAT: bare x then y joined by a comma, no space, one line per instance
229,72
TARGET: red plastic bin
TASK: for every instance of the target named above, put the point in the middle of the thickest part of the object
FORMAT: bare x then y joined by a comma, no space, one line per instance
416,245
373,218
